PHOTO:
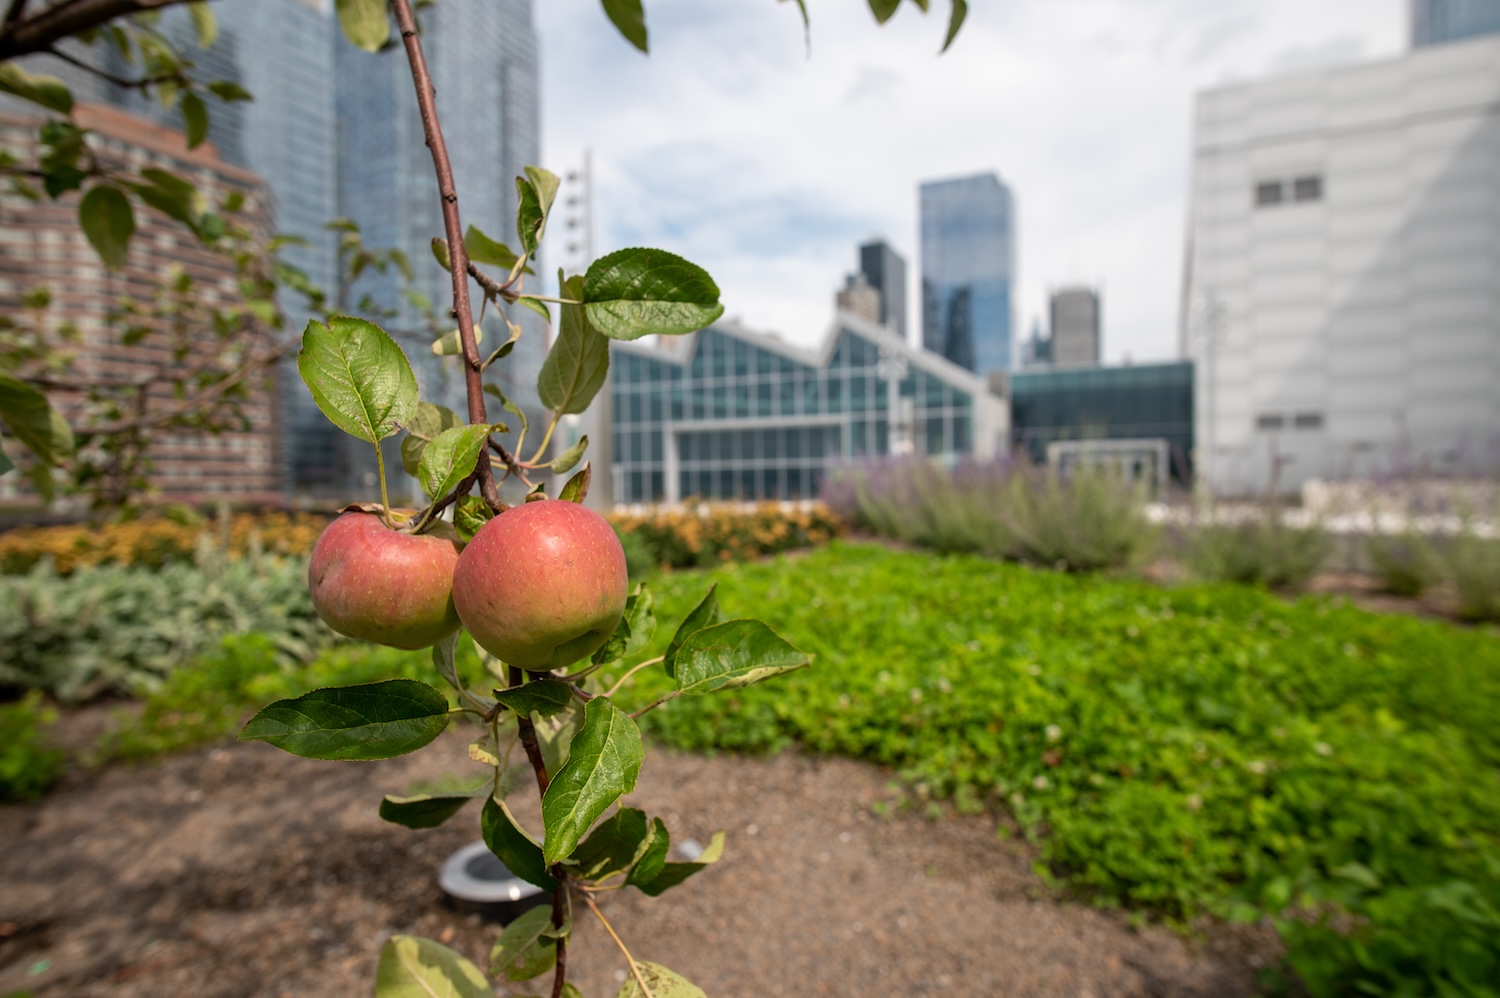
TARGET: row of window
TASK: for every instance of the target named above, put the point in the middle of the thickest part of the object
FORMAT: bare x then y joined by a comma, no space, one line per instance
795,396
1297,421
1308,187
932,433
719,356
741,484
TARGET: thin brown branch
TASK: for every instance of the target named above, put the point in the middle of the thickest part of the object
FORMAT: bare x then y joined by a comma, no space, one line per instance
119,81
453,227
39,32
211,394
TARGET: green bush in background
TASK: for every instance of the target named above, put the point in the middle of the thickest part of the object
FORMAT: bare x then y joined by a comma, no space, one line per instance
1264,550
28,764
1081,521
110,629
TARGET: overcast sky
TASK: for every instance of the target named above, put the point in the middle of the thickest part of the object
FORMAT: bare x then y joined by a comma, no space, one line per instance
734,146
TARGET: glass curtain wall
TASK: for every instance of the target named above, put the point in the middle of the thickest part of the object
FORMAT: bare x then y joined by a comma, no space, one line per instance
743,422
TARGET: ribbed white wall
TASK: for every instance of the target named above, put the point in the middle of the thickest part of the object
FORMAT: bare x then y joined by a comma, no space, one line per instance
1376,306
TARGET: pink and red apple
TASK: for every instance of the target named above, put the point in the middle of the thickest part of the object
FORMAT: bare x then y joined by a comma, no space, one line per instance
542,585
382,585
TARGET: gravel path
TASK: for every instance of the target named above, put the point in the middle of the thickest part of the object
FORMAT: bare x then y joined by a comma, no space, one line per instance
243,871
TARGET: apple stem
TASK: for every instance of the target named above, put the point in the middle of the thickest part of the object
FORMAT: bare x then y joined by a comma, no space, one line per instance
385,499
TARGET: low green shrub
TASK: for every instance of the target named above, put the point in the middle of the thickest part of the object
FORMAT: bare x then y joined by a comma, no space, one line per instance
1083,520
1262,551
109,629
709,533
1473,562
29,765
1209,748
208,699
1406,564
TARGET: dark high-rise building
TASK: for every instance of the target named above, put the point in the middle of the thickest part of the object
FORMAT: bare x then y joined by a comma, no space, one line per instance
968,268
885,271
1434,22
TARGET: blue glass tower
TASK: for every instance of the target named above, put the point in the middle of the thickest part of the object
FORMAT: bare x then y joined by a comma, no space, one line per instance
968,266
483,58
1434,22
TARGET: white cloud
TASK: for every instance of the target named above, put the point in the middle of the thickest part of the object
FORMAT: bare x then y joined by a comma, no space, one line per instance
767,164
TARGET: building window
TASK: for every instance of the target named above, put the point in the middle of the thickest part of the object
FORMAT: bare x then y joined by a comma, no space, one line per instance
1307,189
1308,421
1270,421
1268,192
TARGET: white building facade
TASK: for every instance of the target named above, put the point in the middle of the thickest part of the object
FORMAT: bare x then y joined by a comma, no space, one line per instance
1342,287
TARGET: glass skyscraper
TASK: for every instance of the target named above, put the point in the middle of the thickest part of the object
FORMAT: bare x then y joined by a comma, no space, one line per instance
885,271
483,59
729,414
1434,22
968,266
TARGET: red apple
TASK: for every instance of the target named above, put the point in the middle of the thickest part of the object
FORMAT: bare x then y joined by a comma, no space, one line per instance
382,585
542,585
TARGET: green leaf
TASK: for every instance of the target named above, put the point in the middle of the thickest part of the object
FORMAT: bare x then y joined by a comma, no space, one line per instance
451,458
507,404
565,461
534,196
653,858
636,628
613,846
170,195
637,292
555,737
603,762
204,24
576,489
5,462
483,249
48,91
469,514
883,9
228,91
108,222
358,376
364,22
451,342
371,721
539,307
662,982
733,654
521,854
578,362
194,120
424,810
955,21
673,874
705,614
440,252
444,660
412,967
427,423
544,697
629,18
40,428
525,949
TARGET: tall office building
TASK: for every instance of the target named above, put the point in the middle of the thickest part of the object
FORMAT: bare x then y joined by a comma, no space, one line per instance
282,52
1343,276
968,269
885,271
1075,327
483,58
1434,22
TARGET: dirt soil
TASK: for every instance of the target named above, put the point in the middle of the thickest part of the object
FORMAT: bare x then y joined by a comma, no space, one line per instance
242,871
